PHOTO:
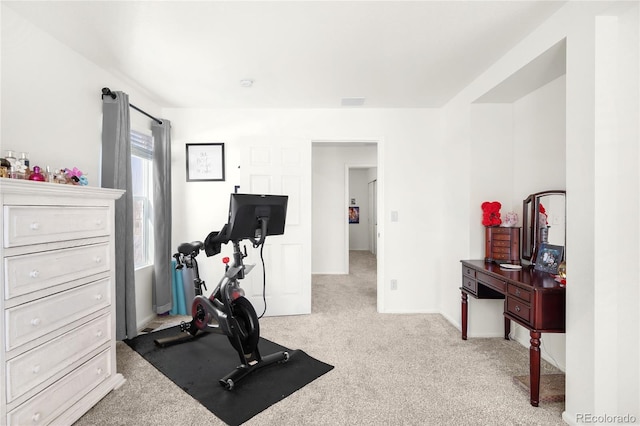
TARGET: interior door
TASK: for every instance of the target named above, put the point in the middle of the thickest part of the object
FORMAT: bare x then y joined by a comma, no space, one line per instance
279,170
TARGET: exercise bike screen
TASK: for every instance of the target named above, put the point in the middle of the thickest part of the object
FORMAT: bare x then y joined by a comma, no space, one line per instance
246,209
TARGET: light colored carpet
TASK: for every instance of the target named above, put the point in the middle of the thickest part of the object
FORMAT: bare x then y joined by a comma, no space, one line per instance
389,370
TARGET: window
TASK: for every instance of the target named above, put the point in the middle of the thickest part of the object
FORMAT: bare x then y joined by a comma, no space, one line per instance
142,181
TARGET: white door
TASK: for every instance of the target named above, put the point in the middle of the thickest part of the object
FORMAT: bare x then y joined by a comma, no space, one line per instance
373,216
279,170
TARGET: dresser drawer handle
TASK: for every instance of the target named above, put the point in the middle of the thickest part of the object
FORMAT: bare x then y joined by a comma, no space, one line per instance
98,259
98,296
34,226
517,292
99,371
35,322
35,417
98,222
34,274
99,333
517,308
35,369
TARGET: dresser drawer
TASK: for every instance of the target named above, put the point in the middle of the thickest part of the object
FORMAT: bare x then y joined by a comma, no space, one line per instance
35,272
470,272
503,244
40,364
520,293
56,399
500,231
44,224
40,317
501,238
497,255
492,282
469,285
519,309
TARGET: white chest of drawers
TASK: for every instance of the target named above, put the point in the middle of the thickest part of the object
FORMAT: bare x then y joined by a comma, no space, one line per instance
57,337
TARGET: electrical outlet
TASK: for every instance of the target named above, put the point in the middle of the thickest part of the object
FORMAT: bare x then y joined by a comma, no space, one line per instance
394,284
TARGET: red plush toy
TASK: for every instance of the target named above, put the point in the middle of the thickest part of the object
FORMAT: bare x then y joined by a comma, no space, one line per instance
491,213
543,216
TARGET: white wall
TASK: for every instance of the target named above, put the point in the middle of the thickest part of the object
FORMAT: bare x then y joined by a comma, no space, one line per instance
616,290
539,135
539,123
601,365
51,104
412,186
52,109
359,190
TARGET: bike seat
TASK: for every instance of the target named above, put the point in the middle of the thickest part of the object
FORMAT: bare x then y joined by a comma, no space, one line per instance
188,248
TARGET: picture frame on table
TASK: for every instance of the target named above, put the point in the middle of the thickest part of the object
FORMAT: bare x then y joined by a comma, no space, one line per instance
548,258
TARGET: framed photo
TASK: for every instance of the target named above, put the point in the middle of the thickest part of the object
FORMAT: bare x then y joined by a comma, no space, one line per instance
548,258
354,214
205,162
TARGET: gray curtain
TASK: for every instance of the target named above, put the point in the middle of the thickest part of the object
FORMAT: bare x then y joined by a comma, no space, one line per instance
162,273
116,173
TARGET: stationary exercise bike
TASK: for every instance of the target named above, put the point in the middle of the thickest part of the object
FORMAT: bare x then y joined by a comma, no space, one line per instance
227,311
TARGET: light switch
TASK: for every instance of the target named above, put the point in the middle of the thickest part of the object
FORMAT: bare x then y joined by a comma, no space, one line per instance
394,215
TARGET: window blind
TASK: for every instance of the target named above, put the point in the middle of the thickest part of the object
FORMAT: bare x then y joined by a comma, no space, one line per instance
141,145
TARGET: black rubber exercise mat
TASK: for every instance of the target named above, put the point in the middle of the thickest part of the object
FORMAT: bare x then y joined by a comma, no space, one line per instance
197,365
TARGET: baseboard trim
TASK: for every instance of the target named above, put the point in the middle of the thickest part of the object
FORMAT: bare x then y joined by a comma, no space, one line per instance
146,321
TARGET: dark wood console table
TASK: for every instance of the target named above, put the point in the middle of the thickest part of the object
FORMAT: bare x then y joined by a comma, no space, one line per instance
532,299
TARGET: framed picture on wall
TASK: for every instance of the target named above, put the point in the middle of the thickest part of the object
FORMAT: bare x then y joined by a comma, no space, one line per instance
354,214
205,162
548,258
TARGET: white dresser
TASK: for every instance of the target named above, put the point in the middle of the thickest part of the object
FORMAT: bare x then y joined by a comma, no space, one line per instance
58,301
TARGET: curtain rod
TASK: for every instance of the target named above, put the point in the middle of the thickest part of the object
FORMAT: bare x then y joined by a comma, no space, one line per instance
107,92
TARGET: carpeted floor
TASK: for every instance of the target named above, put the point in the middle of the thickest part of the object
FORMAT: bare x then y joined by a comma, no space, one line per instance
389,369
198,365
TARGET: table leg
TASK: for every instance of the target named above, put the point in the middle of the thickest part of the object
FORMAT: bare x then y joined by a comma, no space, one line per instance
534,367
464,315
507,328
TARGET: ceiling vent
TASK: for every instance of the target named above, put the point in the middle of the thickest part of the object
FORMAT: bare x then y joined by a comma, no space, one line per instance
352,102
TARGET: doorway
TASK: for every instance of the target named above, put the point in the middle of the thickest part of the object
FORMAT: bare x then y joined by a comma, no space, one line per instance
331,162
362,198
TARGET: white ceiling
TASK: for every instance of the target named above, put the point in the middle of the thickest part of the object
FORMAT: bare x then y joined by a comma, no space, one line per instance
300,54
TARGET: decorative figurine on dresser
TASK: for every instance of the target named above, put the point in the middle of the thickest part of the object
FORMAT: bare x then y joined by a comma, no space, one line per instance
58,339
